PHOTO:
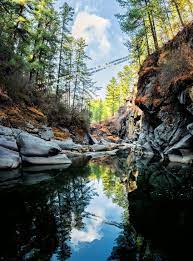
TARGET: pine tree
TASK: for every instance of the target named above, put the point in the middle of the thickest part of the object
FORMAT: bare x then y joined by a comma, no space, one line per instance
150,23
66,17
112,95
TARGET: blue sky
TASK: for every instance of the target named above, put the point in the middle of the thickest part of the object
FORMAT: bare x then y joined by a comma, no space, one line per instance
95,21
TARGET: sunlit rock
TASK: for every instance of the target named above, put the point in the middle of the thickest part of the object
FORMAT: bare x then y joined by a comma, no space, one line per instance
33,146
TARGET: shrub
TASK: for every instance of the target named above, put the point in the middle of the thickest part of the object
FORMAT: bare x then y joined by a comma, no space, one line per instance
66,117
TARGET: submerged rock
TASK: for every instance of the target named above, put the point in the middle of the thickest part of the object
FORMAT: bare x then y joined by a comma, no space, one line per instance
35,178
9,175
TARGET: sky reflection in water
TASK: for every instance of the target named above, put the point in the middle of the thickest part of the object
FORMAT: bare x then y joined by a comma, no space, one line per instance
96,240
117,209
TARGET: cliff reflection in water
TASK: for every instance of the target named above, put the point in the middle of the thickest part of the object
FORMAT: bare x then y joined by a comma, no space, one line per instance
115,209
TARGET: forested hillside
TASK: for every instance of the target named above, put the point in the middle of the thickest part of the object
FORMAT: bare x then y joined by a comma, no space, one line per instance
41,63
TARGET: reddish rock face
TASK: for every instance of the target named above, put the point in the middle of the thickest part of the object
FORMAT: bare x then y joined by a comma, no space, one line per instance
165,94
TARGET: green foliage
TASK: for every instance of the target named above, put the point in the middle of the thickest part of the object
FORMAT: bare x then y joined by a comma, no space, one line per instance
41,63
117,91
150,23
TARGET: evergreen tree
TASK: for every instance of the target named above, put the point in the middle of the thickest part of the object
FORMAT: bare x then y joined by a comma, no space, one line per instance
112,95
66,17
150,23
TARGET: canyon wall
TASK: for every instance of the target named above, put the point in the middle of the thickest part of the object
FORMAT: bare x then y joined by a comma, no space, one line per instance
165,95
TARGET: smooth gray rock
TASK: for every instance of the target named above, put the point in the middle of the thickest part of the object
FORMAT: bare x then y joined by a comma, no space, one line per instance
142,138
72,154
9,159
99,154
184,143
8,142
17,132
186,157
147,149
190,128
6,131
98,147
46,133
35,147
54,160
68,145
104,147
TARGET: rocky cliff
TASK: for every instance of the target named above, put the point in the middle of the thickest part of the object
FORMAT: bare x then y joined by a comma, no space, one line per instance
165,95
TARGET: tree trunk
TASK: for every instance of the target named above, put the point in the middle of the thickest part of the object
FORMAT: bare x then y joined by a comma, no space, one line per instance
153,31
60,61
178,11
146,38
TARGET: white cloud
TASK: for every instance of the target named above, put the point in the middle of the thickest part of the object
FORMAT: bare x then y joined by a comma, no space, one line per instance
92,230
94,29
102,208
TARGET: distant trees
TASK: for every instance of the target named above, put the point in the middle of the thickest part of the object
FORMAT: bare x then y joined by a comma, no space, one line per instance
149,23
117,91
112,95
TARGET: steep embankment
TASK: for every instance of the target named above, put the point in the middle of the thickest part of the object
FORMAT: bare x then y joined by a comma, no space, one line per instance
124,126
165,94
33,120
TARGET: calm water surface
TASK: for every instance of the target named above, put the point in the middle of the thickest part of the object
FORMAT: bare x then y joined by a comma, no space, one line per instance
115,209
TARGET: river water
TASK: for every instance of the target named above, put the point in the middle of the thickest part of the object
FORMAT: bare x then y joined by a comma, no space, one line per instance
112,209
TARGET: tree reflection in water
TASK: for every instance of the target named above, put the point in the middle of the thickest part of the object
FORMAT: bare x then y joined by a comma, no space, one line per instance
37,221
159,222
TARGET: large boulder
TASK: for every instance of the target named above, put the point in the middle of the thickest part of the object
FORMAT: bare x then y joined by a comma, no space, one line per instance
8,142
181,156
6,131
54,160
9,159
32,146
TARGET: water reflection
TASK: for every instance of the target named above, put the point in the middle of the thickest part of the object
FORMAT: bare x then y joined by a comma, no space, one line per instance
113,209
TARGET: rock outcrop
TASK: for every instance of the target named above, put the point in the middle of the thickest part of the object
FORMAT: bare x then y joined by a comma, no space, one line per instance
165,95
17,147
